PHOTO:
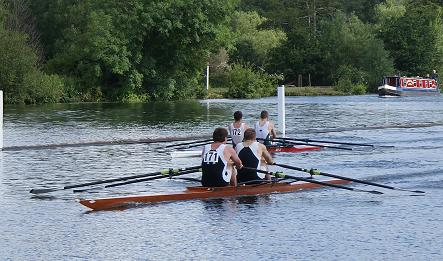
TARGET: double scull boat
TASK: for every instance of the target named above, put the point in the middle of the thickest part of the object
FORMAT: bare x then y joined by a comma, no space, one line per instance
193,193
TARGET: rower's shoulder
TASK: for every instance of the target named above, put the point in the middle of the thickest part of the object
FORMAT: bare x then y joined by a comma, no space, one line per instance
261,146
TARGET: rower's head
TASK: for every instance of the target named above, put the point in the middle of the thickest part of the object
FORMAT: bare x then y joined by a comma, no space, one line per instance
238,115
220,135
249,135
264,115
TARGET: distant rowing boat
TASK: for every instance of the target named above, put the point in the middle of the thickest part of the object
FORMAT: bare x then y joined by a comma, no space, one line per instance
272,149
193,193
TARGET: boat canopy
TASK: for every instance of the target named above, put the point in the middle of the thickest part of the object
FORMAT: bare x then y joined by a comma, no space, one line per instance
411,82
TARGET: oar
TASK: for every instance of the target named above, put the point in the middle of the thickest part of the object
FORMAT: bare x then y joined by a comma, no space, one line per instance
194,143
335,142
304,143
162,172
285,176
163,175
153,178
317,172
188,143
317,145
197,145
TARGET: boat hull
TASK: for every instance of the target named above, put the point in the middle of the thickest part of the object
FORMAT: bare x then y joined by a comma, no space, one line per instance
194,193
397,91
292,148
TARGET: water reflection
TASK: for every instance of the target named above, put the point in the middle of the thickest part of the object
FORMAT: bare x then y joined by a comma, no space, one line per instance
233,203
115,114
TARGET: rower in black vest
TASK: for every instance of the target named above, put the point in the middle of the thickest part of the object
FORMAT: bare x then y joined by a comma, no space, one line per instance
217,161
253,155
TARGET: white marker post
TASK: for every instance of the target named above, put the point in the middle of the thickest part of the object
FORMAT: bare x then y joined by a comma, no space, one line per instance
1,120
281,110
207,77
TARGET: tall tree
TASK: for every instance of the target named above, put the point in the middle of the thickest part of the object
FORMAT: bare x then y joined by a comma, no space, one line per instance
412,31
341,41
118,48
253,43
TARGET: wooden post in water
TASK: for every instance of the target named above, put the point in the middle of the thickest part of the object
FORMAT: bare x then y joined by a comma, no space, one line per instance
281,110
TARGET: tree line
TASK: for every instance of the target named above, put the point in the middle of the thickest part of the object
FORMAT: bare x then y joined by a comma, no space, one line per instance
143,50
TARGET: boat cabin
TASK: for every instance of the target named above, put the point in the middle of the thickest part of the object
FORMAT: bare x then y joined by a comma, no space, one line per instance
410,82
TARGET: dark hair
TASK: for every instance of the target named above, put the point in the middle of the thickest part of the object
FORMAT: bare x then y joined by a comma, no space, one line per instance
249,134
264,115
219,134
238,115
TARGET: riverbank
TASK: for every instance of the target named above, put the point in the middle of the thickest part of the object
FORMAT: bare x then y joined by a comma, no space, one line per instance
217,93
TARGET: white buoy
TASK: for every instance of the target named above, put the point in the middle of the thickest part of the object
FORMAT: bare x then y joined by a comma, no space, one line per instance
1,120
281,110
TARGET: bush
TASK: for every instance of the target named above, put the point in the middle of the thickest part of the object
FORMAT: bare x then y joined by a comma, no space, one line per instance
134,98
244,82
350,80
41,88
347,87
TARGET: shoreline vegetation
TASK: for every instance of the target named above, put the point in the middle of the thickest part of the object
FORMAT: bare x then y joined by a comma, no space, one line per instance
142,51
218,93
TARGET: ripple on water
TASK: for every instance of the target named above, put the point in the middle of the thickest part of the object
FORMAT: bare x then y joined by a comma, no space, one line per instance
312,225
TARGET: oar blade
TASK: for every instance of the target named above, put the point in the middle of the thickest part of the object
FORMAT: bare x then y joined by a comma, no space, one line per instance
417,191
374,192
42,191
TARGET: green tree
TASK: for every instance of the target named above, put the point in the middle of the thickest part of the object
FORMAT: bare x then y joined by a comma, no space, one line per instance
121,48
245,82
412,32
252,43
345,40
20,78
341,41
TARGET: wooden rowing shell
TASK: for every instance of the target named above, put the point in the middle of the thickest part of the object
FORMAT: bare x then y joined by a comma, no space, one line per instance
192,193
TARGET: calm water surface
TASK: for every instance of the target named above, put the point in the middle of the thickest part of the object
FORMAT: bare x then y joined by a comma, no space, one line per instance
328,224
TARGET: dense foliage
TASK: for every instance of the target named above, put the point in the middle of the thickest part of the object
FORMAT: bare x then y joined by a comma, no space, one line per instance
141,50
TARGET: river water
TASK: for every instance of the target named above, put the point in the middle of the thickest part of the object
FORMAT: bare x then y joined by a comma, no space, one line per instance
326,224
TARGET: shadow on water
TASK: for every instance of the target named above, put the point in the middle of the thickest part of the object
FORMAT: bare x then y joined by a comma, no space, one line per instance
247,201
44,197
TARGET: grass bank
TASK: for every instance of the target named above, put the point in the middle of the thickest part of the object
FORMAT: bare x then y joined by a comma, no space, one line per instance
312,91
217,93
